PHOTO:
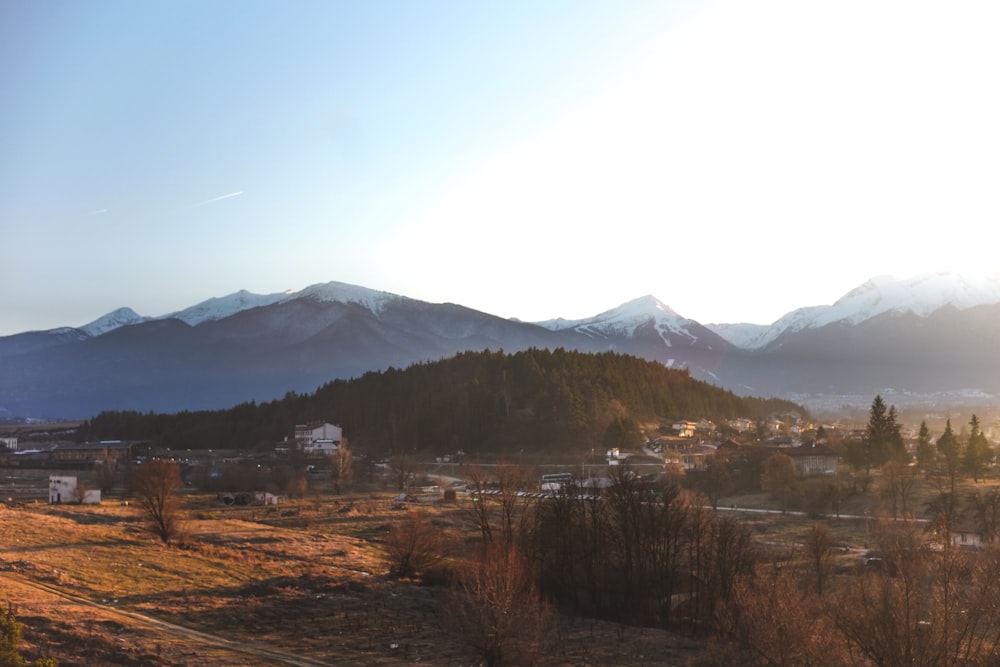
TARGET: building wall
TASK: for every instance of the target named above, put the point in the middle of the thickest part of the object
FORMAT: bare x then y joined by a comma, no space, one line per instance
307,433
63,489
323,447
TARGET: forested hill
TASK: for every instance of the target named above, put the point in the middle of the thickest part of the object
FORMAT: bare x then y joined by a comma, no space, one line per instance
476,402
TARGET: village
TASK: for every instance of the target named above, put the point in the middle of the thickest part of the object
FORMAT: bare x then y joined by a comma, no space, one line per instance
314,447
726,461
343,515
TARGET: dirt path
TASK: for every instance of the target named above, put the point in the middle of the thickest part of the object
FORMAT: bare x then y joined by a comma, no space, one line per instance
198,648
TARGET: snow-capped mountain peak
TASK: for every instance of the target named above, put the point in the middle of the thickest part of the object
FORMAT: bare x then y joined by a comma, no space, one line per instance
921,295
217,308
626,319
116,318
373,300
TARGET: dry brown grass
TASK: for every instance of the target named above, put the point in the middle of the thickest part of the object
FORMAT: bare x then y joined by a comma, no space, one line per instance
302,583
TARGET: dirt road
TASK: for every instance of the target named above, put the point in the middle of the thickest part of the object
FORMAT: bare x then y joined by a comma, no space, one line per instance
140,634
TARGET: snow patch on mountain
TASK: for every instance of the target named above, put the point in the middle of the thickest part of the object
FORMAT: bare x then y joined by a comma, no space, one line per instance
626,319
373,300
921,295
116,318
743,335
218,308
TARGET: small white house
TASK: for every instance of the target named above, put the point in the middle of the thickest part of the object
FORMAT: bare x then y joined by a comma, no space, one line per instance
967,536
266,498
65,489
321,447
685,429
742,425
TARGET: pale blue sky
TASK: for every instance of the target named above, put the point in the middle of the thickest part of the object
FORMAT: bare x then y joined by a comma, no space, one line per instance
528,159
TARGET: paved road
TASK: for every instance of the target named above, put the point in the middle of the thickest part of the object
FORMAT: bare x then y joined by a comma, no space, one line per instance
736,508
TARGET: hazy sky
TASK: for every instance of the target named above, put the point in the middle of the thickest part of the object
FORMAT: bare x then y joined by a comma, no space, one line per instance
529,159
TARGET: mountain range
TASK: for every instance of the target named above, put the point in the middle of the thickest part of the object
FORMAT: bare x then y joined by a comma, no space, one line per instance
931,336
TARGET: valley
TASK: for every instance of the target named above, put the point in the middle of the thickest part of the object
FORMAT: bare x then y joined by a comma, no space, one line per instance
931,340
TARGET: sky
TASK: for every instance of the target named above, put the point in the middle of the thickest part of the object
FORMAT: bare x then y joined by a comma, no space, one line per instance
531,159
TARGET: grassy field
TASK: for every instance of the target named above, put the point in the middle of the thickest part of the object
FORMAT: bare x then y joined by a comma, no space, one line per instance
303,583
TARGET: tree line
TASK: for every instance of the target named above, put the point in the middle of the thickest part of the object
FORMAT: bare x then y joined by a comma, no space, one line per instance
650,553
473,402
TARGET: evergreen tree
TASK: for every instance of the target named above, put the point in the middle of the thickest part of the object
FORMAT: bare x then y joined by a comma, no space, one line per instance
779,478
623,433
896,448
977,451
10,637
883,440
926,452
949,455
485,401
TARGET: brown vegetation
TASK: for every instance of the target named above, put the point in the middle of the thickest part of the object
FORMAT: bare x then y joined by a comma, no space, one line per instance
155,485
302,583
649,571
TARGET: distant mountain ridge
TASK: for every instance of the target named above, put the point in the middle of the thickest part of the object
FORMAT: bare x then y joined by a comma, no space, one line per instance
921,295
938,332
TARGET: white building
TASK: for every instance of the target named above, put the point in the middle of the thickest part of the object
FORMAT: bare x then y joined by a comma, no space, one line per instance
321,447
9,443
742,425
65,489
318,437
685,429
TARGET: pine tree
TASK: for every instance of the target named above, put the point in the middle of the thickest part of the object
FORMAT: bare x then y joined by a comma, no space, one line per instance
10,637
977,451
926,452
949,451
883,440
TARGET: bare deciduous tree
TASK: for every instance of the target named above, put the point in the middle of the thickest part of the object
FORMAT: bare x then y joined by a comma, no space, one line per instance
415,545
897,483
779,478
106,472
155,485
496,610
819,552
500,509
343,465
80,492
402,467
514,504
924,608
780,626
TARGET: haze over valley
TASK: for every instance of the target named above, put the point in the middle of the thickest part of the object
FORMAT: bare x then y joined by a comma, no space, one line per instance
930,339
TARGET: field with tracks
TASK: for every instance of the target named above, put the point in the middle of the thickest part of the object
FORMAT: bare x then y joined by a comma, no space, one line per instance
301,583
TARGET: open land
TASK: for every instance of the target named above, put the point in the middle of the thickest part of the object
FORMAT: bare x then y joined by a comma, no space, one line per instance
306,582
301,583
